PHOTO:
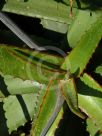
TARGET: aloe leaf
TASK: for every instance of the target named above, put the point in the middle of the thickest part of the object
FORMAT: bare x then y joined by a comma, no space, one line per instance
29,65
50,12
34,8
74,33
17,59
47,107
46,9
10,85
90,98
57,109
77,60
69,93
19,109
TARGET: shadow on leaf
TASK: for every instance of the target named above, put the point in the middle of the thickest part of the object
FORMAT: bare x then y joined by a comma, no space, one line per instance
86,90
23,106
3,123
3,87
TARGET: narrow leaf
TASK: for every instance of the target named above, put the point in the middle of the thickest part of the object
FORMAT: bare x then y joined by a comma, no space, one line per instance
80,25
46,110
69,92
79,57
90,98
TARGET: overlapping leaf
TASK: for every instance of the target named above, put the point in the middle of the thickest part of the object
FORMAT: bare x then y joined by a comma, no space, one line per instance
30,97
47,108
48,11
77,60
80,25
90,98
29,65
10,85
19,108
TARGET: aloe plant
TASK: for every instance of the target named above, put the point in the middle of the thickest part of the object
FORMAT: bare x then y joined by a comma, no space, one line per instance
34,85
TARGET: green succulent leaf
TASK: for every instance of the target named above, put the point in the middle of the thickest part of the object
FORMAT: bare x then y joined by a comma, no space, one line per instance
79,57
31,82
80,25
50,12
51,9
90,98
28,107
68,89
10,85
31,98
47,108
19,109
29,65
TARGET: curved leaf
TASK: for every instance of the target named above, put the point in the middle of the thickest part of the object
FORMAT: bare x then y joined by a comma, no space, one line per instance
80,25
47,108
90,99
29,65
79,57
69,93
